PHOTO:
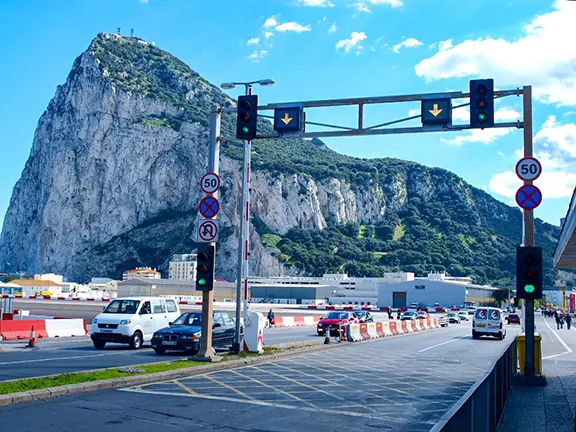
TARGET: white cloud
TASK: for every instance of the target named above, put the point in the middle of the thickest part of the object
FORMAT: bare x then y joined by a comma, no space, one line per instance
485,136
413,112
316,3
499,153
270,22
256,56
293,27
393,3
445,45
253,41
143,1
555,147
332,28
268,35
540,57
360,7
408,43
354,42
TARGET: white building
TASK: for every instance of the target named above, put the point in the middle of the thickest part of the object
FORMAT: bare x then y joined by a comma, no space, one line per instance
141,273
103,284
73,288
49,277
182,267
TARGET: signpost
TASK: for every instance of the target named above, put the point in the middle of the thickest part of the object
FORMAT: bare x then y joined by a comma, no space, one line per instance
209,206
210,183
208,231
528,169
528,197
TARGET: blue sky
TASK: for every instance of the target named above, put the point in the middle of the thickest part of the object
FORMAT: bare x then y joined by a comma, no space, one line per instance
324,49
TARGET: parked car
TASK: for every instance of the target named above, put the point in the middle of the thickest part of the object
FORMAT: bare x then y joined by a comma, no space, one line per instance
408,316
364,316
185,332
488,321
335,320
453,318
132,320
513,319
443,321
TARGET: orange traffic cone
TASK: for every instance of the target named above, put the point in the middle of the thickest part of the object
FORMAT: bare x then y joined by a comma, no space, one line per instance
327,337
32,340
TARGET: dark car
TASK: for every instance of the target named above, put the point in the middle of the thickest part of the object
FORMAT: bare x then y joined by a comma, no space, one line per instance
364,316
513,319
335,320
184,333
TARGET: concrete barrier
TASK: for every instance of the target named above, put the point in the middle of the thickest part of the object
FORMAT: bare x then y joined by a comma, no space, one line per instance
296,321
372,331
299,321
353,333
393,328
66,327
20,329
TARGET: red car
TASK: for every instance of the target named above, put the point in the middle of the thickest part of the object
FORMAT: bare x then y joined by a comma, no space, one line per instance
513,319
333,320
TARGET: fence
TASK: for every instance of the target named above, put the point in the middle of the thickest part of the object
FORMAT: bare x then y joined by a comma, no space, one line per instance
481,408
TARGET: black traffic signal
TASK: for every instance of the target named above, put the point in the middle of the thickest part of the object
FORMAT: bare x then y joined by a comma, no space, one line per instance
205,263
529,272
482,103
247,117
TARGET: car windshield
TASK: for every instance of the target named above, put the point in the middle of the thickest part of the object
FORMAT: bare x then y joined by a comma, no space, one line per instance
409,313
336,315
513,316
194,319
451,314
128,307
360,314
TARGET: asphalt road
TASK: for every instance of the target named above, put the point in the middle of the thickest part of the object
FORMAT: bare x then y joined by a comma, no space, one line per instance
403,383
88,310
63,355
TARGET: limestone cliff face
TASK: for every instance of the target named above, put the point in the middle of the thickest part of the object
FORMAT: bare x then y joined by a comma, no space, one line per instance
112,180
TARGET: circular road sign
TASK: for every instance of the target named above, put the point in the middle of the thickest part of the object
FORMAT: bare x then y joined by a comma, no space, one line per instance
528,197
210,183
208,230
528,169
209,207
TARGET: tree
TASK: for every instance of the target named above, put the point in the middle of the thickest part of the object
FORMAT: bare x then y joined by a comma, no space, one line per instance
501,295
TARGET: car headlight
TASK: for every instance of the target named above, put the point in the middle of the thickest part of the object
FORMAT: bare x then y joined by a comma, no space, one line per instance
157,336
126,321
186,337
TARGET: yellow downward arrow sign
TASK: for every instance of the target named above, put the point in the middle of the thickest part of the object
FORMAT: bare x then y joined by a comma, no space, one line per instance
435,111
287,119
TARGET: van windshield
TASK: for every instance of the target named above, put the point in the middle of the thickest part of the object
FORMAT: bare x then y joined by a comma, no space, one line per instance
128,307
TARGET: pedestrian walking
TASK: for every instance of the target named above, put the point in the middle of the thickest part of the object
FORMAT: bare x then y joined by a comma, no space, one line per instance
398,314
389,312
568,321
557,318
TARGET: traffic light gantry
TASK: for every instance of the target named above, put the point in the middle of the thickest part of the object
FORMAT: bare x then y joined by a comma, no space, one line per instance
481,103
529,272
205,263
247,117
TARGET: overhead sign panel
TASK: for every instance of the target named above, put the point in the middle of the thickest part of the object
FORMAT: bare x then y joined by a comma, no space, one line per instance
436,111
289,119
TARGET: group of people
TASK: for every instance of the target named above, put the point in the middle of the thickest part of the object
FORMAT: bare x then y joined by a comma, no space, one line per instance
560,317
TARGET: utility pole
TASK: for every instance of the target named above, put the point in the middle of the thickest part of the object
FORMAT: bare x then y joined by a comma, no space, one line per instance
206,351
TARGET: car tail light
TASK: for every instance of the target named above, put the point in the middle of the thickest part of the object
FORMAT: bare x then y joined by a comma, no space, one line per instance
500,326
474,323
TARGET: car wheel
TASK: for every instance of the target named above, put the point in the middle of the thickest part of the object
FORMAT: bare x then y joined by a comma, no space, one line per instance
136,340
500,336
159,351
98,344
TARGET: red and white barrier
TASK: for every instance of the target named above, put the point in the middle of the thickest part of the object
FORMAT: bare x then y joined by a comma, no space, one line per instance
377,330
296,321
44,328
66,327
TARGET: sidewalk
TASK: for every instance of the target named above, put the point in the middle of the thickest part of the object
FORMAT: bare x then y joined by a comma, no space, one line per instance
550,408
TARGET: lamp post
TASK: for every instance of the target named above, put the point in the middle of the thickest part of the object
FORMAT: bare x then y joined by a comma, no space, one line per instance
243,235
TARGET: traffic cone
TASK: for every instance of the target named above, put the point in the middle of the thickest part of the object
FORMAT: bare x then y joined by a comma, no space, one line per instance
32,340
327,337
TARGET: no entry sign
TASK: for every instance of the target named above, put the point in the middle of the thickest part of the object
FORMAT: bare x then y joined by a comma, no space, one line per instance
528,197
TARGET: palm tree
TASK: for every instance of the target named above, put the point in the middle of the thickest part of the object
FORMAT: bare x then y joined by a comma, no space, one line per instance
501,295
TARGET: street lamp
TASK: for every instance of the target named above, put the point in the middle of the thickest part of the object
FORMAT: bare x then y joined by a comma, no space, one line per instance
243,237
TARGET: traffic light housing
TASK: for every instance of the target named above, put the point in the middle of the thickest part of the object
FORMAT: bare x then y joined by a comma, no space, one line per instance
529,272
247,117
205,267
482,103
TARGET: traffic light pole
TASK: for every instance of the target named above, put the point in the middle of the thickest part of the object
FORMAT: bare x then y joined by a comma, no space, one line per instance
206,351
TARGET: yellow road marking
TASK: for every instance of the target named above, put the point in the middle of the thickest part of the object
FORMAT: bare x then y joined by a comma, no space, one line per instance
220,383
275,389
182,386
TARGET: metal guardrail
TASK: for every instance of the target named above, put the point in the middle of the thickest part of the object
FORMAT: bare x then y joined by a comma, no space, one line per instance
481,408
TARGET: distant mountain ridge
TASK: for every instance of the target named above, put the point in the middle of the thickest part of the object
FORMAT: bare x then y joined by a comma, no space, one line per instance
112,183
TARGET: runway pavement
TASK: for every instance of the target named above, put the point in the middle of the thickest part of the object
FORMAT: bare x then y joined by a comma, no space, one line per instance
403,383
74,354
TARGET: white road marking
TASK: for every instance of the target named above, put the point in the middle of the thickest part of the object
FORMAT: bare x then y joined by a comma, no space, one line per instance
257,402
443,343
568,349
58,358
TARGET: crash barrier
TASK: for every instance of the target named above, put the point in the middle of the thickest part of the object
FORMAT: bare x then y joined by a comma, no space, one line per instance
376,330
44,328
482,407
296,321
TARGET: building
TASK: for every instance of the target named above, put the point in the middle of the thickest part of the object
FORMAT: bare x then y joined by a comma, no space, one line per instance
74,288
49,277
31,287
141,273
103,284
182,267
181,290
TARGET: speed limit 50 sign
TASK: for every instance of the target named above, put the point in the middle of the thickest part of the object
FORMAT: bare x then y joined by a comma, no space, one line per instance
528,169
210,183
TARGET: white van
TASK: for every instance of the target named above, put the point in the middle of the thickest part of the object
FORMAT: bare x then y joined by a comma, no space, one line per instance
488,321
132,320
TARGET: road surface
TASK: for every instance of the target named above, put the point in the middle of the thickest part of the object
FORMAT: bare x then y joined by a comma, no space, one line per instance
399,383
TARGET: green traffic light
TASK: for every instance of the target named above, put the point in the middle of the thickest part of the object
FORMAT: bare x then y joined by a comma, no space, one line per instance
482,117
245,129
529,289
202,281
